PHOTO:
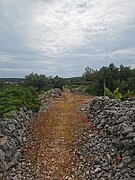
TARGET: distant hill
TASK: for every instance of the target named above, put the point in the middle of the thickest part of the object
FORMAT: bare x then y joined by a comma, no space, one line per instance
14,80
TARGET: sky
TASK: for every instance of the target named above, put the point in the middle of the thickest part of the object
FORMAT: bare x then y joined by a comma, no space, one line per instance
62,37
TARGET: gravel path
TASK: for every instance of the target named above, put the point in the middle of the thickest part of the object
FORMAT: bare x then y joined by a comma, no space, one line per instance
52,148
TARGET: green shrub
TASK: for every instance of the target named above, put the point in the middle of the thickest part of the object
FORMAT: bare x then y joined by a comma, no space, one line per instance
108,93
116,94
14,97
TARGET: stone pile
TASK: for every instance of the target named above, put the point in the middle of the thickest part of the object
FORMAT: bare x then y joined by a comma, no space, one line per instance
107,150
79,90
13,133
48,97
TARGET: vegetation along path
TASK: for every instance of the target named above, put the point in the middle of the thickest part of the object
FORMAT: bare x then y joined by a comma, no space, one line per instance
55,132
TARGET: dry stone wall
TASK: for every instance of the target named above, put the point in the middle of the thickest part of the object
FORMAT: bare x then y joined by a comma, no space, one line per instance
108,148
79,90
48,97
13,134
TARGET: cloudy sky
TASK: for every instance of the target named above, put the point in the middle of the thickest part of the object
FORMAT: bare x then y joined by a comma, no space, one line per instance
64,36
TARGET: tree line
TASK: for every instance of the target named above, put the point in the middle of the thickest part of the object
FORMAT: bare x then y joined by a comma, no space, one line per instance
24,92
111,77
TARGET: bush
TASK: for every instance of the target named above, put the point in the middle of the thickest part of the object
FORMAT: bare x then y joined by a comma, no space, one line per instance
15,97
116,94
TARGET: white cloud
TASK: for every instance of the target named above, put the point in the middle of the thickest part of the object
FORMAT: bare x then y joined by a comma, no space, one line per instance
6,69
65,25
6,58
61,34
62,26
125,52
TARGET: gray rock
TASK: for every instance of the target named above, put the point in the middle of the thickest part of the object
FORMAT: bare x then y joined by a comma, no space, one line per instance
127,160
97,105
117,143
128,144
17,177
97,170
3,140
125,129
2,156
11,127
3,164
14,114
130,135
15,159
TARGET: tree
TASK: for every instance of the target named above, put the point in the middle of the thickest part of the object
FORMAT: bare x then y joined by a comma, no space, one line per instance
112,77
88,74
2,84
124,73
40,82
58,82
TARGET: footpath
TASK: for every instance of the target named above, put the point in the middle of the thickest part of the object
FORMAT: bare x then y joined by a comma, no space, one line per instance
52,152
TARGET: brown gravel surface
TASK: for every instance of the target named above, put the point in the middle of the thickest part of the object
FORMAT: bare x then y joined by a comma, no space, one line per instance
54,140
